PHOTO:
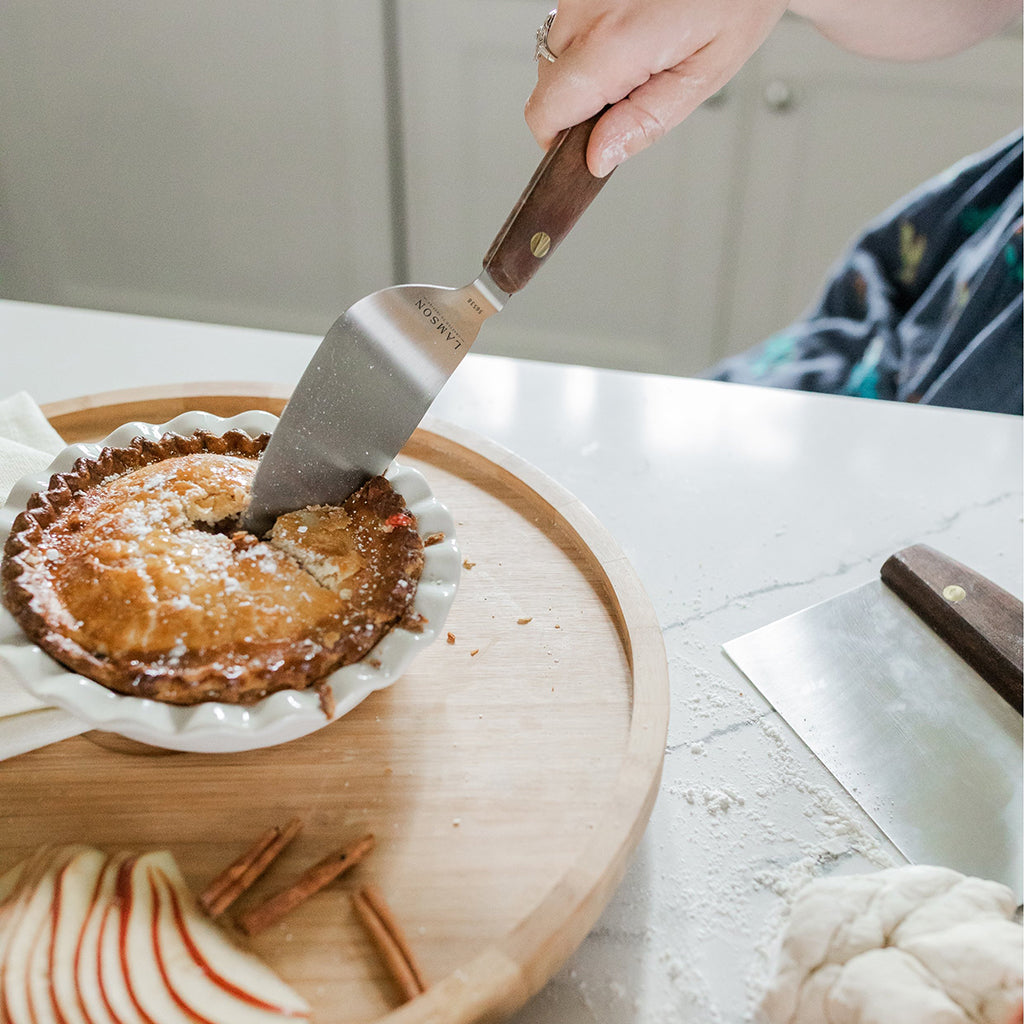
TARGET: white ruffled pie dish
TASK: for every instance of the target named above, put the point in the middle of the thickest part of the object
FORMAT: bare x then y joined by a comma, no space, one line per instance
213,727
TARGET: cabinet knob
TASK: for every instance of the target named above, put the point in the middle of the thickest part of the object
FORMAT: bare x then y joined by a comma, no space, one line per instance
779,95
717,99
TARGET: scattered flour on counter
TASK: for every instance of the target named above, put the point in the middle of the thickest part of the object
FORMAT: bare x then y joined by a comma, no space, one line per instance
740,849
716,801
745,818
689,993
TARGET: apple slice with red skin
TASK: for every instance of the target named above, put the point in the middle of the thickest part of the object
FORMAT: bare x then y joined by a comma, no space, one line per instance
15,882
89,979
218,982
77,890
37,976
22,985
24,967
24,875
116,988
151,999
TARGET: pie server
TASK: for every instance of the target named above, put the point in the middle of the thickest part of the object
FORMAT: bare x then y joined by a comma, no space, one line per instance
908,689
383,361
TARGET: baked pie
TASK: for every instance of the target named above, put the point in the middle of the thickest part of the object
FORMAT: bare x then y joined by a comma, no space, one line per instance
131,569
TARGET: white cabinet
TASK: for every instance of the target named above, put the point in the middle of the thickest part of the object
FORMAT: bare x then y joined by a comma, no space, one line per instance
211,161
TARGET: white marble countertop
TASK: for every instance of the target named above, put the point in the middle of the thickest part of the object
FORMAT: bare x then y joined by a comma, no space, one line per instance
736,506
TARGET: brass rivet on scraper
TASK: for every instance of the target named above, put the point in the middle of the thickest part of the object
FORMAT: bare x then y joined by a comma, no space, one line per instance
540,244
954,593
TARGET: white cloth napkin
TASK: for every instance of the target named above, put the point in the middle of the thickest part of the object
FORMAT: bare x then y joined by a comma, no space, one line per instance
27,445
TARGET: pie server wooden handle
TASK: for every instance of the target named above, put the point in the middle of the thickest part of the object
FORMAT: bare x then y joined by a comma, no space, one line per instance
981,622
560,190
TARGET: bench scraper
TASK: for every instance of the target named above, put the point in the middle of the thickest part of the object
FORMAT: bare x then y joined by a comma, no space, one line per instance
908,689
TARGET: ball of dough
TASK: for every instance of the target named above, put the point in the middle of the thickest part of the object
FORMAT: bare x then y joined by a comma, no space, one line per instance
917,944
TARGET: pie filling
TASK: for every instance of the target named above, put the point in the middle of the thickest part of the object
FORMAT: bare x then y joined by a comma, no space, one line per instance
133,571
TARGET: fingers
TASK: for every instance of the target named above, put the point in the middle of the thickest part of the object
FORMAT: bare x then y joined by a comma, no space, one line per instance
592,70
638,115
646,114
653,63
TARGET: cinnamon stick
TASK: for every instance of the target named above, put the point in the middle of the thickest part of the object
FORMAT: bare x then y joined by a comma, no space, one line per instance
311,881
239,876
390,941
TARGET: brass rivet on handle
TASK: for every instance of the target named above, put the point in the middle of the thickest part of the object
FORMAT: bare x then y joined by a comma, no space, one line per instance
954,593
540,244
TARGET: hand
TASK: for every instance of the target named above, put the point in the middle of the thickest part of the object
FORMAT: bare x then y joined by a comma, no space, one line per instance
654,61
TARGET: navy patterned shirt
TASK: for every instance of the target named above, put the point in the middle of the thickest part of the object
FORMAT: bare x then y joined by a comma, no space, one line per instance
925,306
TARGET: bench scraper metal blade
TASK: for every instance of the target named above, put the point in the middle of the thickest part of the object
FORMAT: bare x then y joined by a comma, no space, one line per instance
382,363
928,745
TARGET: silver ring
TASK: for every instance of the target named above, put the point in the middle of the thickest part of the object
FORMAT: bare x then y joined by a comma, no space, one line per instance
541,49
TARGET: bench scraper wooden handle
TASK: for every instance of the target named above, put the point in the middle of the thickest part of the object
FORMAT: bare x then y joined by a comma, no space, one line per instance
981,622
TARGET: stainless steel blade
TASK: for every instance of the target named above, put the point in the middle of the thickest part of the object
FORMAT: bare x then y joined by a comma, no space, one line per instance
365,391
383,362
930,751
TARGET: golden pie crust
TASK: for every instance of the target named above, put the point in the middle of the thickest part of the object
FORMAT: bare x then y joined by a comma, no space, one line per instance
130,569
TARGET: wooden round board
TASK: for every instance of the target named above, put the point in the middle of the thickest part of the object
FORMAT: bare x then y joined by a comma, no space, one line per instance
507,777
